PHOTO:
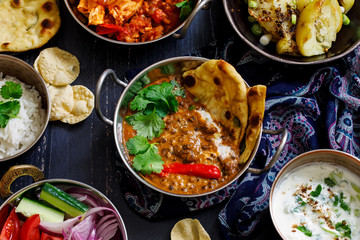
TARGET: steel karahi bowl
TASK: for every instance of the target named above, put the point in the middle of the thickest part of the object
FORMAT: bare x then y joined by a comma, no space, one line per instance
152,73
25,73
179,32
308,159
347,39
64,184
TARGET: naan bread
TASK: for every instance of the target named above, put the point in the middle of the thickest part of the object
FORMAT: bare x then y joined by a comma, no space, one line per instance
256,99
27,24
222,90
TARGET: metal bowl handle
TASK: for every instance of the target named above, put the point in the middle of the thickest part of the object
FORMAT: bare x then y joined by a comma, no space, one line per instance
104,75
284,133
15,172
203,4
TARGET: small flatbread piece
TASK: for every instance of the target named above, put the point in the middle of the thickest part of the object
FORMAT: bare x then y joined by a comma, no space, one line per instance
57,67
256,98
62,101
189,229
221,89
27,24
83,105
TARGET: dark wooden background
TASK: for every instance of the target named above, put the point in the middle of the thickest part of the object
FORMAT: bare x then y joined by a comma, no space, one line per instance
86,151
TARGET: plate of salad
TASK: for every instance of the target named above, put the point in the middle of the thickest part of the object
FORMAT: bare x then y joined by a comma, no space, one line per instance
60,209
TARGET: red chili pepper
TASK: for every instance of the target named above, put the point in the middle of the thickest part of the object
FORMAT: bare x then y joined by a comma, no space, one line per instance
199,170
108,28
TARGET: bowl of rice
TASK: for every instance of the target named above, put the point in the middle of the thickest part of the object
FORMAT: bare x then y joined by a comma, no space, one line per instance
20,131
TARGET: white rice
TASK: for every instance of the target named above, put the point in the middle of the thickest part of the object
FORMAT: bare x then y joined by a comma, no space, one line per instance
22,131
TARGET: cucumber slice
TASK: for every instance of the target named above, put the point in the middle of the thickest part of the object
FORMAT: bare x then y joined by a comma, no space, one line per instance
30,207
63,201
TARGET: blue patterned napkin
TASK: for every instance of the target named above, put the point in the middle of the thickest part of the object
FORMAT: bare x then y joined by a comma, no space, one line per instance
320,108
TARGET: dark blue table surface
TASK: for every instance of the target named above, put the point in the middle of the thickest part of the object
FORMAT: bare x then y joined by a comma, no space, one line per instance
86,151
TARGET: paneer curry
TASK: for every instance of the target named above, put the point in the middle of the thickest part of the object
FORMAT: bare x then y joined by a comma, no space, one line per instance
134,20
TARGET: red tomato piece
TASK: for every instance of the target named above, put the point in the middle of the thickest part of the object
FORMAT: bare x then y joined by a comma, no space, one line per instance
158,15
11,228
45,236
30,229
4,213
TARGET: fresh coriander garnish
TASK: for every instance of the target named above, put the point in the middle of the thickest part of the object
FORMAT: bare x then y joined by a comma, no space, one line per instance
186,8
178,90
192,107
147,159
300,201
343,229
306,231
317,191
11,107
152,103
330,182
343,204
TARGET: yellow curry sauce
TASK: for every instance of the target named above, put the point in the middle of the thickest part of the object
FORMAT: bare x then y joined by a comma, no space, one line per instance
191,137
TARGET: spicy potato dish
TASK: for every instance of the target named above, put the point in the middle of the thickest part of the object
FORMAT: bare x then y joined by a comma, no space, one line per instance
192,133
299,27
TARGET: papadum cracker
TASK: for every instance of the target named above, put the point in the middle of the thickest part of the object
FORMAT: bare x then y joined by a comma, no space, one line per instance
62,101
189,229
57,67
83,105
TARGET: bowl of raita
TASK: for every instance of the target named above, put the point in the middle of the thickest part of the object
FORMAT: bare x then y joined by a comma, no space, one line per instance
24,107
317,196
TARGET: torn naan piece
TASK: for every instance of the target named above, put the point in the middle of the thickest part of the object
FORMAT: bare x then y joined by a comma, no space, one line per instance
27,24
256,100
221,89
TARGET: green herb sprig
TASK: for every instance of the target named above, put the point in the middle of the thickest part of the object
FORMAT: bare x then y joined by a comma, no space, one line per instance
10,108
186,8
305,230
152,103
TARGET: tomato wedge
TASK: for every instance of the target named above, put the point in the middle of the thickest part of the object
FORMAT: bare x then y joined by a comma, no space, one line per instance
45,236
4,213
11,228
30,229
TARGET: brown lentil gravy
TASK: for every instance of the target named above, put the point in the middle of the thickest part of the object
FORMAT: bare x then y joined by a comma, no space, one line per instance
189,137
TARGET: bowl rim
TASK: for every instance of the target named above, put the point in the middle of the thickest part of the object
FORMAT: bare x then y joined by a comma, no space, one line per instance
68,6
73,182
277,58
48,102
281,175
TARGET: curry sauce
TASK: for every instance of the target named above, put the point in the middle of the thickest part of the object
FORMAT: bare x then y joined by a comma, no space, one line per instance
191,136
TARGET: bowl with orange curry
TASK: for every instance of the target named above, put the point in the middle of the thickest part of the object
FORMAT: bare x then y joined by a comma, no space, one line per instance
187,126
135,22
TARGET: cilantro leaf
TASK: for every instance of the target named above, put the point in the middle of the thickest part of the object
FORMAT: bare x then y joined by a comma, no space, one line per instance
10,108
149,126
329,181
130,119
343,229
317,191
137,144
160,107
186,9
11,90
149,161
164,93
4,119
178,90
139,103
306,231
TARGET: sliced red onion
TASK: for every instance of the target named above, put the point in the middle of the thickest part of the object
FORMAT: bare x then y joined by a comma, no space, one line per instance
108,232
83,230
105,225
57,228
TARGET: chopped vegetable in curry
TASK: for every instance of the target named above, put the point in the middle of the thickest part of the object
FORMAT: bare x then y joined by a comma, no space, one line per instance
134,20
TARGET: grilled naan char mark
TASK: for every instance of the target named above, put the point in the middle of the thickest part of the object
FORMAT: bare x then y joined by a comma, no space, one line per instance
275,17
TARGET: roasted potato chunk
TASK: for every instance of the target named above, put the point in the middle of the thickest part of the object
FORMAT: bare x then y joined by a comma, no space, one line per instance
317,27
347,4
